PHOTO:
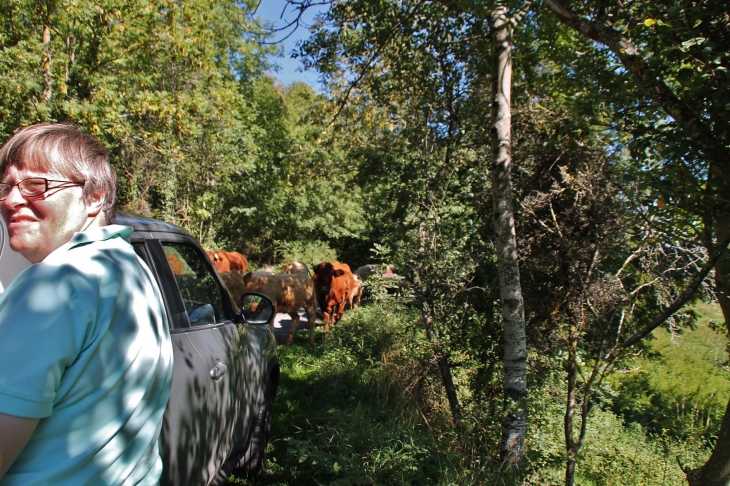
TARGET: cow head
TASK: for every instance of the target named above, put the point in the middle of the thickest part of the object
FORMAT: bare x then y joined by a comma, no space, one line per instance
218,262
325,272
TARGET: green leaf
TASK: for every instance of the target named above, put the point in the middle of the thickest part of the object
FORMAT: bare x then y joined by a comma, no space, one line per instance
696,41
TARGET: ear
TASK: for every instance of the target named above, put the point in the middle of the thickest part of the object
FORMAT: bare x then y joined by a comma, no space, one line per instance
93,207
338,273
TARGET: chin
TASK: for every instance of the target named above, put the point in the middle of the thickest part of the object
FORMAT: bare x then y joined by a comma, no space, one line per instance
23,247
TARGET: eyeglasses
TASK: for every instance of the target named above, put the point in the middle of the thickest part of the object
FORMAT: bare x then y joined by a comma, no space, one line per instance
34,187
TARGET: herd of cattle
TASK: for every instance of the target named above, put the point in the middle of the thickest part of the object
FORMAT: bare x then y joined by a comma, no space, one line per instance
332,286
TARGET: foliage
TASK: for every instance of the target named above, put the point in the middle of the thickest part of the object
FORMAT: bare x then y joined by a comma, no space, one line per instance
680,385
199,135
349,411
365,406
613,453
308,252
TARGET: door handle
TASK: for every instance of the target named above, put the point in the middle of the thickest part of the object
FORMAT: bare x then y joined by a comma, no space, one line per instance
218,371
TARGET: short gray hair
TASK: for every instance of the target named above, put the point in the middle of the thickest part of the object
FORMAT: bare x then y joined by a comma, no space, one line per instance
64,148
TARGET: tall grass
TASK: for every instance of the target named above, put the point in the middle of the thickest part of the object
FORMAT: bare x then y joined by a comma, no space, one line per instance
364,406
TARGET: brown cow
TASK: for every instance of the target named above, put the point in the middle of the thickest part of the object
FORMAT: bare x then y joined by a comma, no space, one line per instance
295,267
177,266
365,272
289,294
228,261
235,284
333,283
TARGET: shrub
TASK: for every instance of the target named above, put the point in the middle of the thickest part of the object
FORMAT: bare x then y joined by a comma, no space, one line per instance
365,405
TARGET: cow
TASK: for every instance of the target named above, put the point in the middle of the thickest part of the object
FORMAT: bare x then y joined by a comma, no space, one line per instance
365,272
228,261
289,294
333,283
355,293
235,284
177,266
265,270
295,267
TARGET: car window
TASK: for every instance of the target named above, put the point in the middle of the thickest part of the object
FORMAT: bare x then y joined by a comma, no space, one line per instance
199,288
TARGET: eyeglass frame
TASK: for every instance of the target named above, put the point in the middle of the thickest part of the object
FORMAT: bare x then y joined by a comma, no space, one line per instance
64,185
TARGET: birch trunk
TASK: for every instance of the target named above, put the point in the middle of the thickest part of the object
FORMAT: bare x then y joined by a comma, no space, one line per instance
515,348
46,64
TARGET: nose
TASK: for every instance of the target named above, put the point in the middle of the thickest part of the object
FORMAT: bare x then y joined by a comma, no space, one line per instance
14,198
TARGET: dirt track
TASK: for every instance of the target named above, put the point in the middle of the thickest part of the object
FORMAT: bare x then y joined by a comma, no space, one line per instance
282,322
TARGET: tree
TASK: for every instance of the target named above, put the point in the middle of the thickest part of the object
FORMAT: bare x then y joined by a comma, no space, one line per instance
513,314
380,53
688,45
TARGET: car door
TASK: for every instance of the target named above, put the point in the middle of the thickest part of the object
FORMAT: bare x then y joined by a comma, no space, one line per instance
196,415
217,340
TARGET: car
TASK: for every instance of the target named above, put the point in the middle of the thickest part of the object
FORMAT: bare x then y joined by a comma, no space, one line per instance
226,370
11,263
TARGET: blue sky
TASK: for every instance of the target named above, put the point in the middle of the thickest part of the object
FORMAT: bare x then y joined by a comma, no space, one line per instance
279,12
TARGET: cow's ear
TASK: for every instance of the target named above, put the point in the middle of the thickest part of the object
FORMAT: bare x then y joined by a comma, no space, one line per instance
338,273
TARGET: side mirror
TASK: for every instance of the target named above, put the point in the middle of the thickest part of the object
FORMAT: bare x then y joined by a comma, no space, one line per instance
256,308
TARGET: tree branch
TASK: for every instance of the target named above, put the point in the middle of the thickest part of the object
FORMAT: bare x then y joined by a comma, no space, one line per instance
603,32
681,300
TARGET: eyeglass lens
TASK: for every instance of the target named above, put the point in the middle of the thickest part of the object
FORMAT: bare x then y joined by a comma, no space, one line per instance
27,187
32,187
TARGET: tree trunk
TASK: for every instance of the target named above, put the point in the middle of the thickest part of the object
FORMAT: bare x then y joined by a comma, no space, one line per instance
721,179
46,63
571,444
515,348
716,471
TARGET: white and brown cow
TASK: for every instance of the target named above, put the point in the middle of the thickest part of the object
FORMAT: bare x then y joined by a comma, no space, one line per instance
289,294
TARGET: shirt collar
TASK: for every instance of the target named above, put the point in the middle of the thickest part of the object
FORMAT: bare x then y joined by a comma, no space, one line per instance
100,234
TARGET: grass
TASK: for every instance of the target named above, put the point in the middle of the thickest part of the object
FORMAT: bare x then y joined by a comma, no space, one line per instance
681,385
345,412
364,406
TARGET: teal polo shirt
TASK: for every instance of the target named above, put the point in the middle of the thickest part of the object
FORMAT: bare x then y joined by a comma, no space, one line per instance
85,347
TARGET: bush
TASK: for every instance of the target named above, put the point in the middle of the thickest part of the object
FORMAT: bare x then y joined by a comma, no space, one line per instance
365,405
309,252
613,454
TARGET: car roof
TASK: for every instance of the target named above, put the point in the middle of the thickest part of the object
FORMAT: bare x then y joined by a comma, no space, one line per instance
143,223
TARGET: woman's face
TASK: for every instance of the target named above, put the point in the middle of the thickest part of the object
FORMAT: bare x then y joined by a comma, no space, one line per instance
39,225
